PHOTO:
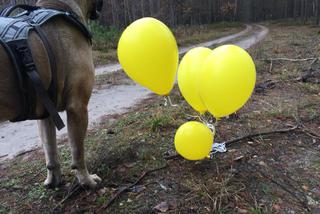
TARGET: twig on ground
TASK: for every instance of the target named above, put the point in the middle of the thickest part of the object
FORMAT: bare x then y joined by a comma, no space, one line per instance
171,157
26,152
282,131
69,195
271,66
126,188
3,156
305,129
309,132
290,60
314,60
36,175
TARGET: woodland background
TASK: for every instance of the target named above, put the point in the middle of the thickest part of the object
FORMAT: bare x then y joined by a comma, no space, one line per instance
120,13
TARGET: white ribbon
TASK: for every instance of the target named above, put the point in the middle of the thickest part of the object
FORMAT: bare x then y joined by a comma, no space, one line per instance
211,127
218,148
168,100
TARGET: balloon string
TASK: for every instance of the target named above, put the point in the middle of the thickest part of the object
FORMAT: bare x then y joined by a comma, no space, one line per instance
167,101
216,147
211,126
206,122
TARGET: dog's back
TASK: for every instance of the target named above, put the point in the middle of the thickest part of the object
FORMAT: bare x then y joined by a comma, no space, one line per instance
66,40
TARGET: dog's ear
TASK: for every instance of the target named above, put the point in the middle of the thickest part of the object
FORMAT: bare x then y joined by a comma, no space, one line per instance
96,9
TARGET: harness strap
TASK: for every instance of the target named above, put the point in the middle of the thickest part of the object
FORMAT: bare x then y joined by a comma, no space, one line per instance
29,68
8,10
5,30
54,79
26,20
25,108
72,18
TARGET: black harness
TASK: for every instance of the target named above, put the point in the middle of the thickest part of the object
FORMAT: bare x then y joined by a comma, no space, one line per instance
14,32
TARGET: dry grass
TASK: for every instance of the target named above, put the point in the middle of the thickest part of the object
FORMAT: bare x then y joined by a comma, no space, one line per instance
273,174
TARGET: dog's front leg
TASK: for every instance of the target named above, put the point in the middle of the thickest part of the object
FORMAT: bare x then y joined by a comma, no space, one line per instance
77,115
47,132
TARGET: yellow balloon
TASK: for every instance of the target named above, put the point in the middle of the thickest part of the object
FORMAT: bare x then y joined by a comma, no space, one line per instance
227,80
148,53
189,74
193,141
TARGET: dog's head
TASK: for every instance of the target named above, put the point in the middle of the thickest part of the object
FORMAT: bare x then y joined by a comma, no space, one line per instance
86,9
96,8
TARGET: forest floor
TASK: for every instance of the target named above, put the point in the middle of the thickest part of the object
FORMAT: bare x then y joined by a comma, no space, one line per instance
134,152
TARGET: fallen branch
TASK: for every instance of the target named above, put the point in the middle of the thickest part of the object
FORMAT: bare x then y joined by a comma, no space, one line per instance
69,195
314,60
290,60
126,188
283,131
305,129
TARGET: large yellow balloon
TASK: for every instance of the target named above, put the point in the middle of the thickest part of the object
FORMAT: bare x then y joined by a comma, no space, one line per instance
227,80
189,74
193,141
148,53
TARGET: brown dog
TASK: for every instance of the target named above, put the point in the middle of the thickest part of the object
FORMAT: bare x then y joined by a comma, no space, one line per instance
75,71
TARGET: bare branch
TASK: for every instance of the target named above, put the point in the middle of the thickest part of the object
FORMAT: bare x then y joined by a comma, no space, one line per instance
126,188
281,131
290,60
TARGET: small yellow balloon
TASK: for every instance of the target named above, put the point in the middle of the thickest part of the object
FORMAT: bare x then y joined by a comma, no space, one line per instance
227,80
193,141
189,74
148,53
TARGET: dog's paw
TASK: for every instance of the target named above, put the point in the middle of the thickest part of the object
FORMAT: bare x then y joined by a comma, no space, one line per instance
90,181
53,179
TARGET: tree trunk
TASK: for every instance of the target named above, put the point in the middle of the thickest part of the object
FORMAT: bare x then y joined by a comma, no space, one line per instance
317,12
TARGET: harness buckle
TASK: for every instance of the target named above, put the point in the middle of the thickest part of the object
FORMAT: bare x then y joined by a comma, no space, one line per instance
26,57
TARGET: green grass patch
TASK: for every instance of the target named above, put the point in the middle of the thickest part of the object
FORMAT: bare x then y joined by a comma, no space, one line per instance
104,38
